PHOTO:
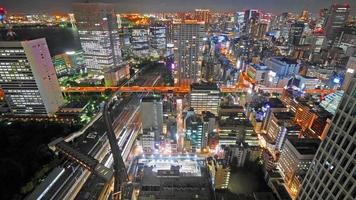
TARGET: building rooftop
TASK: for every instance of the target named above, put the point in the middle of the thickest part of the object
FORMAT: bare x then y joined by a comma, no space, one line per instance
263,196
151,98
204,86
260,66
275,103
322,112
308,77
305,146
281,190
286,60
231,107
283,115
184,177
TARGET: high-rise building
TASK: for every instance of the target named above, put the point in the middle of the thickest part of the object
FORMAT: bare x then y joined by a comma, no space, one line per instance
273,105
194,131
188,38
332,172
202,15
148,141
209,122
28,78
350,71
304,16
158,38
336,19
68,62
205,97
221,174
151,112
139,41
251,14
296,157
259,30
280,125
98,33
296,32
251,19
282,69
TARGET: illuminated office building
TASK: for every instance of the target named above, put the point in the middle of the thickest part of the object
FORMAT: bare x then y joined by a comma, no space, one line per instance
188,41
336,19
205,97
194,131
28,78
98,33
296,32
273,105
331,174
221,173
280,125
296,157
202,15
158,37
350,71
139,41
68,62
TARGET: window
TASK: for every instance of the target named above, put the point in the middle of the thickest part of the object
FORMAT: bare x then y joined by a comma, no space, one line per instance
348,185
344,162
347,125
341,196
351,86
353,114
346,143
325,195
343,103
335,191
350,167
353,129
339,139
352,148
331,184
341,121
353,194
342,179
349,106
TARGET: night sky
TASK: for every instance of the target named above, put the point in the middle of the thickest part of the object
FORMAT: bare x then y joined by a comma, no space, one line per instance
274,6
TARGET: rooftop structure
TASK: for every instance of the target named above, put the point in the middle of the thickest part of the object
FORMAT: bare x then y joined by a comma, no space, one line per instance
179,177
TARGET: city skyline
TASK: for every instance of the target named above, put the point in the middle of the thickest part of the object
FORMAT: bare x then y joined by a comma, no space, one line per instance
147,6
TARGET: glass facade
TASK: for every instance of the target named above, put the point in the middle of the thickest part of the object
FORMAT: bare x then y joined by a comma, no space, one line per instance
332,174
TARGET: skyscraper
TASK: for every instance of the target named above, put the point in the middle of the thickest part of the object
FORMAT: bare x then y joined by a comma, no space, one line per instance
350,71
98,33
28,78
336,19
188,44
296,32
202,15
332,174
